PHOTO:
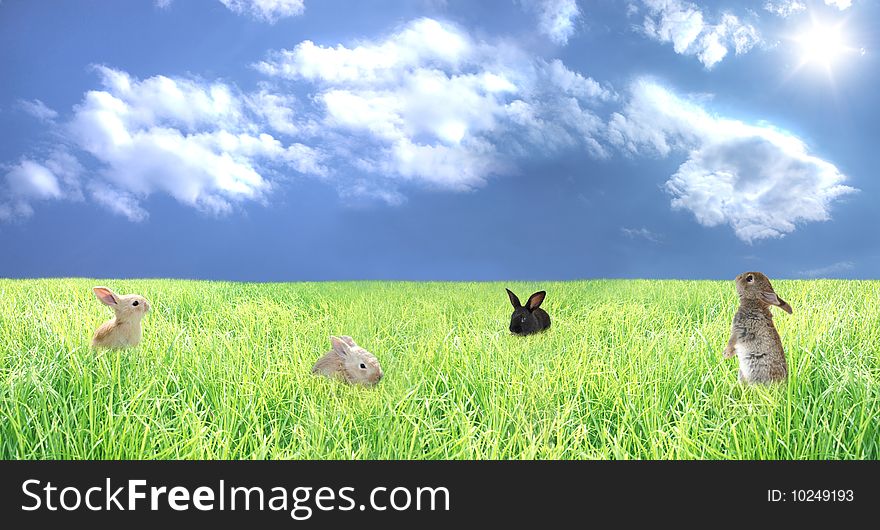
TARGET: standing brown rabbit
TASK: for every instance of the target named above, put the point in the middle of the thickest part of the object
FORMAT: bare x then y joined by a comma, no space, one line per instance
124,330
753,337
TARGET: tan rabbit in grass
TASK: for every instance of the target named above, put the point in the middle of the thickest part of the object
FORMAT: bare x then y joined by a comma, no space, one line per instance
124,330
349,362
753,337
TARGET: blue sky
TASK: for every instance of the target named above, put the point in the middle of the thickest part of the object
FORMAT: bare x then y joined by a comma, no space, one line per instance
274,140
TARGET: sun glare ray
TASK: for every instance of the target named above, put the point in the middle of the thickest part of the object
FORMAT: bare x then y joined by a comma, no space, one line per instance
823,45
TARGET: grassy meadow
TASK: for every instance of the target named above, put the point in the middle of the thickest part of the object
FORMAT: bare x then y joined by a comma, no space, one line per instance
629,370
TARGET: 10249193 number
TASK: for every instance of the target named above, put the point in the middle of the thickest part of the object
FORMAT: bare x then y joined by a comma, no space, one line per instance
821,495
807,495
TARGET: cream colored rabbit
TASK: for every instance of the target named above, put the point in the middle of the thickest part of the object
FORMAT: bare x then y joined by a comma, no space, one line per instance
753,337
349,362
124,330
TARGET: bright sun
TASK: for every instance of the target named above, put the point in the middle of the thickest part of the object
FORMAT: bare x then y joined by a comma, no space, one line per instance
822,45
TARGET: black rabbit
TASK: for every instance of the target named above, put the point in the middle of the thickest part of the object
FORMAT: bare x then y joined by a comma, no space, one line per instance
531,318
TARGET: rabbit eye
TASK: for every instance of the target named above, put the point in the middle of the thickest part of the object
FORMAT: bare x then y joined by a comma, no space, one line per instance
363,366
135,302
523,319
750,278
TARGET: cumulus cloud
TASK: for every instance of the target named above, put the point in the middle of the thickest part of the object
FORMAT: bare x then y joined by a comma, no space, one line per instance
205,144
276,110
556,18
427,105
266,10
31,181
784,8
685,26
438,107
195,141
760,180
38,110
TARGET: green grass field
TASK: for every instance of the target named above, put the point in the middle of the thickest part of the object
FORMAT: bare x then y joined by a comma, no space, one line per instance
629,369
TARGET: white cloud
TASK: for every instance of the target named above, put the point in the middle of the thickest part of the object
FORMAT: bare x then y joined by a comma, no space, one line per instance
556,18
685,26
67,170
118,201
427,106
784,8
30,181
23,184
197,142
277,110
38,110
434,105
204,144
839,4
422,43
643,233
362,191
266,10
632,9
829,270
270,11
758,179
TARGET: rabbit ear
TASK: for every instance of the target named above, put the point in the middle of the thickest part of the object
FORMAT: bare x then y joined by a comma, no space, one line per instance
535,300
106,296
348,340
514,300
339,346
773,299
785,306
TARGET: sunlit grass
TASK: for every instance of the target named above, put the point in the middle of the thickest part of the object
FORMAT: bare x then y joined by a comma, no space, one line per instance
629,369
